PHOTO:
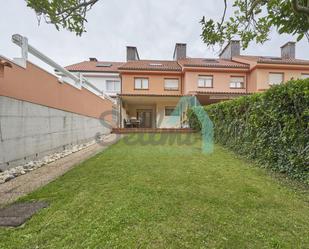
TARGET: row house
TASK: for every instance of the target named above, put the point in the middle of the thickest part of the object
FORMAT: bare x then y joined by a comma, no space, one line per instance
149,90
104,75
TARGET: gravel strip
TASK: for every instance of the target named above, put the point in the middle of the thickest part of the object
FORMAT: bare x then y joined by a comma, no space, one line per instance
27,183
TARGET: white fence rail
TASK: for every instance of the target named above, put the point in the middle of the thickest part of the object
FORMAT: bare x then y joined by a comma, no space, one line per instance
26,48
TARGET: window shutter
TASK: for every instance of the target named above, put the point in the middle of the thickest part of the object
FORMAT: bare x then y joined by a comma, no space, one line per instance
275,78
171,83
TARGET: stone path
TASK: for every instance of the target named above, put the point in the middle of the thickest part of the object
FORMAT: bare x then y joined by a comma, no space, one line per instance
24,184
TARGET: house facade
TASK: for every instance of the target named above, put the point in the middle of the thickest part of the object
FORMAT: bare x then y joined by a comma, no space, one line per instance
150,90
104,75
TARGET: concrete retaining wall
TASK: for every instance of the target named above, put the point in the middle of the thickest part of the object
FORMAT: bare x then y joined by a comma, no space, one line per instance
30,131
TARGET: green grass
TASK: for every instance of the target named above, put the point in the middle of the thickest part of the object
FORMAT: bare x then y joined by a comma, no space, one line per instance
165,196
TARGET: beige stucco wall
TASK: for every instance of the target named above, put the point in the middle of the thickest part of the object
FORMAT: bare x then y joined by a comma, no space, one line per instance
221,81
262,76
35,85
252,81
1,71
155,83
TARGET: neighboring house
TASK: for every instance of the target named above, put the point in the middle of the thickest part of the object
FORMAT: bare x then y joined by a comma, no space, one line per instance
102,74
266,71
151,89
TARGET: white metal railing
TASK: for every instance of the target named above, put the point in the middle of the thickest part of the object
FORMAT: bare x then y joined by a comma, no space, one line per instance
26,48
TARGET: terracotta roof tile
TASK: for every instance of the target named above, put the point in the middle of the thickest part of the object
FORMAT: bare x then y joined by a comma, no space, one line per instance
210,92
207,62
153,65
274,60
150,94
94,66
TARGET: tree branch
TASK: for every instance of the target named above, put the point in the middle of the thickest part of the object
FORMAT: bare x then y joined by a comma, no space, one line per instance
84,4
224,13
253,6
299,8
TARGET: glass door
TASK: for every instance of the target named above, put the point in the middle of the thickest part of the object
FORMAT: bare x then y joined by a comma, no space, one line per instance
145,116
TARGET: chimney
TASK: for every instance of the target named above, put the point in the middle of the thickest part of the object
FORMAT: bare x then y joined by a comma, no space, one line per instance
180,51
230,50
132,54
93,59
288,50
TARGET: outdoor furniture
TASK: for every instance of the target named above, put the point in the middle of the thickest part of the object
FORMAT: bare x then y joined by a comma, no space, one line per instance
135,122
127,123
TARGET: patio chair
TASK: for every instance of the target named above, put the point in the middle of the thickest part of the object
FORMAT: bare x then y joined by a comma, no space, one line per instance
127,123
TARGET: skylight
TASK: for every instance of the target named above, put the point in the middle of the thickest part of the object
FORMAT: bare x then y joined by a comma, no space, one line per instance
211,60
271,58
104,65
155,64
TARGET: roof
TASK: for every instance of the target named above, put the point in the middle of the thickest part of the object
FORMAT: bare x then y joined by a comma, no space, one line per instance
5,63
223,92
211,62
153,65
150,94
273,60
94,66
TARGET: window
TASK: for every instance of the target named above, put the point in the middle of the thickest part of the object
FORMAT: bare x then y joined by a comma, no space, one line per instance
171,111
171,84
275,78
237,82
141,83
305,76
113,85
205,81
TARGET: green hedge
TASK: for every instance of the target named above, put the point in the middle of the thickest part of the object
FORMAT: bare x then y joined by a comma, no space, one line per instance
270,127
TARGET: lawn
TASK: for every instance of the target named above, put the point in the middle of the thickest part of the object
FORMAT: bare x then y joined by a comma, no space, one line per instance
141,195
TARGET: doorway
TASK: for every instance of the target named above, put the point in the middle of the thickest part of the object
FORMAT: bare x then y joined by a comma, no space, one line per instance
145,116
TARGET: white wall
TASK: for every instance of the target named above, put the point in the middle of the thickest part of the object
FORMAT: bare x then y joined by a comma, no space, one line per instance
166,121
98,80
29,131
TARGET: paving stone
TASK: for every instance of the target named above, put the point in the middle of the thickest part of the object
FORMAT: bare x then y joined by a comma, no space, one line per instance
17,214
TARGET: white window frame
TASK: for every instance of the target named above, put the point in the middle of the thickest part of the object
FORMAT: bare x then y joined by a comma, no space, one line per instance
141,83
277,82
115,82
171,81
205,81
304,76
235,83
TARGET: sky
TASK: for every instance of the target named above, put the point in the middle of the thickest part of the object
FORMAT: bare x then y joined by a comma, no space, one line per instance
153,26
